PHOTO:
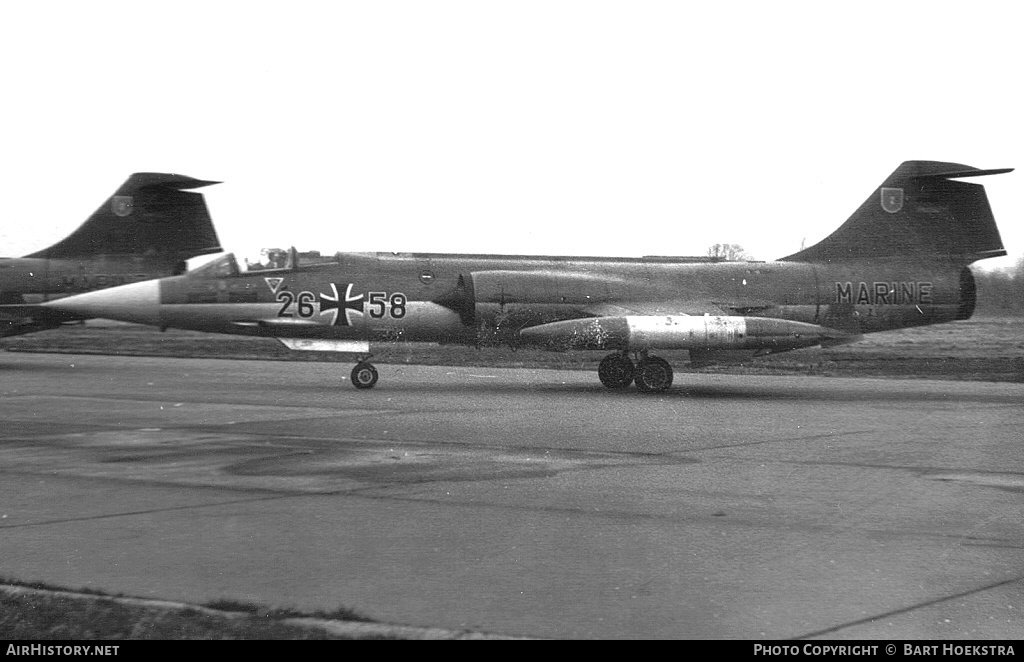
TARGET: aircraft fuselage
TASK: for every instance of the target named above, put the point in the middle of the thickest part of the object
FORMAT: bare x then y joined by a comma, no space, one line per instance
489,299
899,261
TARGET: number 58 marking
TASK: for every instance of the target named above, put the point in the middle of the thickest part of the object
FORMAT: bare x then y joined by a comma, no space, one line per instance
381,304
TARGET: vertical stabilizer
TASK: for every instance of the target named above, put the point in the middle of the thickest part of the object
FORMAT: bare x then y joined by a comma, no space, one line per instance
149,215
919,211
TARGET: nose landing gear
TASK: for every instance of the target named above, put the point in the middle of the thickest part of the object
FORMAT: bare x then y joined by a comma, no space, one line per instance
364,375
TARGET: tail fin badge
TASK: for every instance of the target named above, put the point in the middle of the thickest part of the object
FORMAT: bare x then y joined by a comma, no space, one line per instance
892,199
122,205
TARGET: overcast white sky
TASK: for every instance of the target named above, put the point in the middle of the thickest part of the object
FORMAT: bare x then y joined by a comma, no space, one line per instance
582,128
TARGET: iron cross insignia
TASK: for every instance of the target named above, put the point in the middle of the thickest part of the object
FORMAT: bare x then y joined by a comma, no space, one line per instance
333,304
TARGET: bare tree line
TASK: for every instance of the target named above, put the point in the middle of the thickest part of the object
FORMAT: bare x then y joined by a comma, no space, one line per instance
1001,292
727,252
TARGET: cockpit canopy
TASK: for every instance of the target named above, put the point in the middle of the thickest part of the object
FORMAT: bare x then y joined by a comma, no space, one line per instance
227,265
224,266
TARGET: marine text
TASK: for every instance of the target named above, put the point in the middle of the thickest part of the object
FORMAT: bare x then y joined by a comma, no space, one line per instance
898,293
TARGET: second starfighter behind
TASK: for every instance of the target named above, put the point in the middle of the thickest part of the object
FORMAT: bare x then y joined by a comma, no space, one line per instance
147,229
900,260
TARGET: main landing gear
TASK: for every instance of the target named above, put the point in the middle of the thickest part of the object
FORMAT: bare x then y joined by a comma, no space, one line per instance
616,370
652,374
364,375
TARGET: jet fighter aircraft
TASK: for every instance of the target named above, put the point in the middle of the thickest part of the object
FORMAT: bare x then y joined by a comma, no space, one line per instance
901,260
146,230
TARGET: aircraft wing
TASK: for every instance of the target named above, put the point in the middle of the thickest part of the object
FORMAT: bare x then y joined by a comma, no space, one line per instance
19,319
654,308
678,307
277,323
36,311
600,295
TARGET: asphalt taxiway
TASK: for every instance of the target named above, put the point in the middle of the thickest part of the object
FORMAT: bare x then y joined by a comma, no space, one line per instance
522,502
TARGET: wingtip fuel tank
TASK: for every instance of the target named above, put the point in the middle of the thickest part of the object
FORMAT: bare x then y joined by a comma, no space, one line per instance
693,332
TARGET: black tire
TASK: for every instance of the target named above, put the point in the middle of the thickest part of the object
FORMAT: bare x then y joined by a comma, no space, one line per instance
616,371
653,375
364,375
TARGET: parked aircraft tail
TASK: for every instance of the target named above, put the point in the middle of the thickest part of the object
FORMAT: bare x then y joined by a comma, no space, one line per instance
149,215
918,211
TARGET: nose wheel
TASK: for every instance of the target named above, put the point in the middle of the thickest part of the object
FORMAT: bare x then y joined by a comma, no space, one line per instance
364,375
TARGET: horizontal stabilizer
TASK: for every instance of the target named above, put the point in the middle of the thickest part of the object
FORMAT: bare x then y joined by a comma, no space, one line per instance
970,172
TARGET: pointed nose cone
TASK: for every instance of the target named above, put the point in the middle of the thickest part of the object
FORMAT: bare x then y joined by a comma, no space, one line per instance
135,302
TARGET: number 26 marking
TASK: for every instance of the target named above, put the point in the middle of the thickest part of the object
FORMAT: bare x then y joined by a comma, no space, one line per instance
304,301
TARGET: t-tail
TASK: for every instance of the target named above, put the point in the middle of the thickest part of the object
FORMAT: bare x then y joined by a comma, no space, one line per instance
149,215
919,211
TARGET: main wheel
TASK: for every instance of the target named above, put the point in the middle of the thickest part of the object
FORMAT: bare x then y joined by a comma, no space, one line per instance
364,375
653,374
615,371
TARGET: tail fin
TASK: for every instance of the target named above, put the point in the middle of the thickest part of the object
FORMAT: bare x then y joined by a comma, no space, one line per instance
149,215
917,211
